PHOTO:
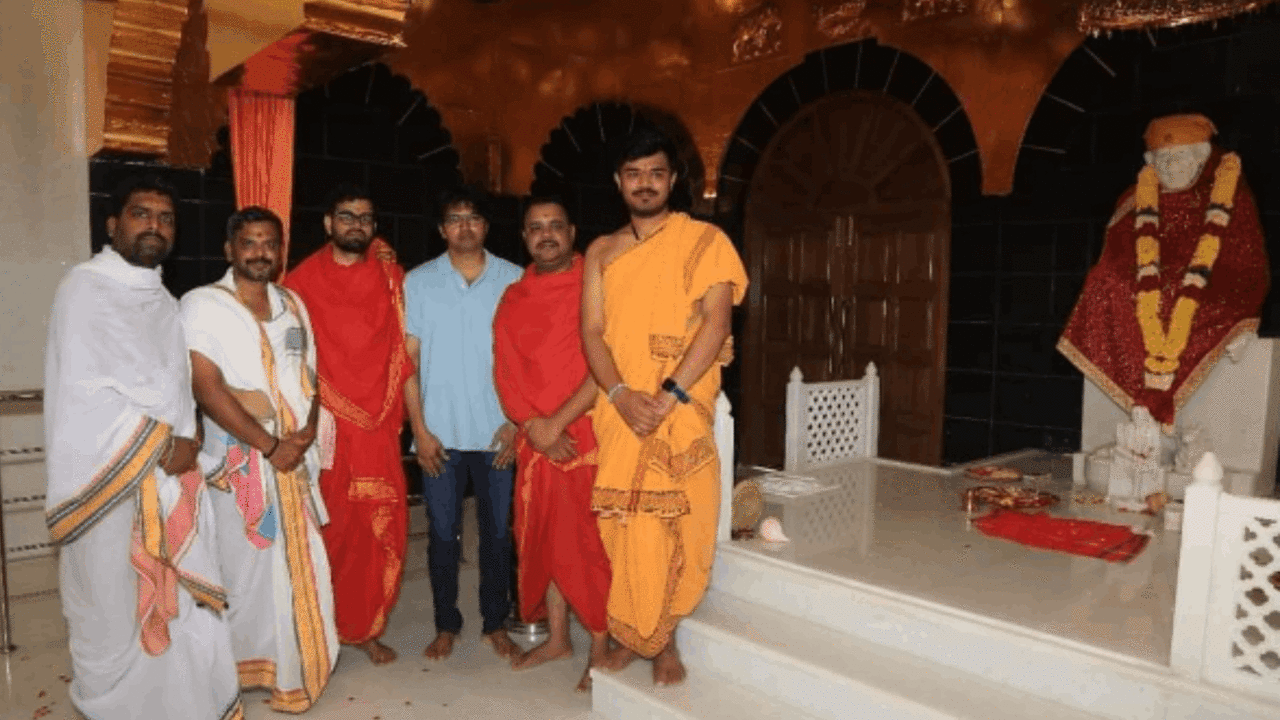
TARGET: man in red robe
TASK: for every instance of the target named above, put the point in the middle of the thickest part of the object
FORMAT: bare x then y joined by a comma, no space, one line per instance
353,289
1182,276
542,380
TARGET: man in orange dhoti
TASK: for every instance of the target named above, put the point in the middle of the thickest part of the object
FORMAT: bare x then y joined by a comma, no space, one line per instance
545,388
656,305
353,289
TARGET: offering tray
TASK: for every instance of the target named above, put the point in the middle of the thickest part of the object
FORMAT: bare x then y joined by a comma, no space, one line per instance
1013,498
784,485
994,473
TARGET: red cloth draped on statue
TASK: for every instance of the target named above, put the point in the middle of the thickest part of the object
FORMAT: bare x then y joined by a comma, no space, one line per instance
1105,541
357,316
538,365
1103,338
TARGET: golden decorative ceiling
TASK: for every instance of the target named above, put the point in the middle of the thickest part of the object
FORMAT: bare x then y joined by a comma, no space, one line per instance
1100,15
145,36
481,64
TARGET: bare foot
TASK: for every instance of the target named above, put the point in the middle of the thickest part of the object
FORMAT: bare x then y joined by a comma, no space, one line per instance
553,649
618,658
442,646
599,654
584,685
502,645
378,653
667,668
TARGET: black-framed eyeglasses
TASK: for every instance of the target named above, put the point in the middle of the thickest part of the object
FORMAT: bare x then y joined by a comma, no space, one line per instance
350,218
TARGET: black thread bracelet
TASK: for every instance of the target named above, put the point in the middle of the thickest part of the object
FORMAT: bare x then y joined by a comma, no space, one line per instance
274,447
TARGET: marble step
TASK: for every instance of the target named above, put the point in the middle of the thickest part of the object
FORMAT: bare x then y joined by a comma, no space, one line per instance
1037,665
630,695
836,676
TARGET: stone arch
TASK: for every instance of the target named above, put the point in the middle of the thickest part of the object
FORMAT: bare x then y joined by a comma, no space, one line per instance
576,163
371,126
867,66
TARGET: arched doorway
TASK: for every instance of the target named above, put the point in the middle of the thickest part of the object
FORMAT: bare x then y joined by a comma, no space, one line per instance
846,237
576,164
372,127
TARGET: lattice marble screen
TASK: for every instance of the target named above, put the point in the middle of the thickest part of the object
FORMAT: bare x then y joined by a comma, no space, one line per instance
835,424
1255,630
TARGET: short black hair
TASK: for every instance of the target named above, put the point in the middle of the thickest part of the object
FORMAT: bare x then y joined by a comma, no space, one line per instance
645,142
252,214
545,199
149,182
464,195
346,192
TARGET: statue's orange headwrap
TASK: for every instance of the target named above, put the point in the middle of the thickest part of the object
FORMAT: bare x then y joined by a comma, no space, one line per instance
1172,130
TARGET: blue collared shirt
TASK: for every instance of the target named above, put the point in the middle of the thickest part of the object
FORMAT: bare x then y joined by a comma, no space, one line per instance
453,322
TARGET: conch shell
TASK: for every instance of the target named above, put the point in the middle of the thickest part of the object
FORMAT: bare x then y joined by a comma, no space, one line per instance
771,530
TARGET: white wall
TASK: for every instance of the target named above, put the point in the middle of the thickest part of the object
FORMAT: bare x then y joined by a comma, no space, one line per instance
44,215
44,196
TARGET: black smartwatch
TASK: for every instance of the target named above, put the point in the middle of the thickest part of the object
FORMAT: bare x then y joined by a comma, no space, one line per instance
671,386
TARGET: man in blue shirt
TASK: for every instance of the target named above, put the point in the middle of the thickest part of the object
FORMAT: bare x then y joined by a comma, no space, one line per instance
458,427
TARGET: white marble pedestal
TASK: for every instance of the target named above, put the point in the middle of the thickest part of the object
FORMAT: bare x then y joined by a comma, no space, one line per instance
1239,405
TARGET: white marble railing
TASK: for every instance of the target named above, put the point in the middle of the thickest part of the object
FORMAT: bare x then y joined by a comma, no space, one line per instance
1226,627
724,448
832,421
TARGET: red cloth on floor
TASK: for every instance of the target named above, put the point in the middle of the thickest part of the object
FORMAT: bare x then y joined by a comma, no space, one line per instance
1090,538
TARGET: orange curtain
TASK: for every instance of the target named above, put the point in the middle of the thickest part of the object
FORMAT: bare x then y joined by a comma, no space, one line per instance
262,128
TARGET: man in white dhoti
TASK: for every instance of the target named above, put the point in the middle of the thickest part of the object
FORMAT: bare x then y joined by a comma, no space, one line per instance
139,578
253,360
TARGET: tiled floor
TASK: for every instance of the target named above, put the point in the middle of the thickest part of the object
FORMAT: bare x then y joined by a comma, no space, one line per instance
473,684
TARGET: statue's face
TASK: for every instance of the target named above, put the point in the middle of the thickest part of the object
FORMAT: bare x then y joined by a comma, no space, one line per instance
1178,165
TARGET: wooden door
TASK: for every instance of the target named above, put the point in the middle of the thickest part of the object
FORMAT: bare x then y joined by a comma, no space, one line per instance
847,239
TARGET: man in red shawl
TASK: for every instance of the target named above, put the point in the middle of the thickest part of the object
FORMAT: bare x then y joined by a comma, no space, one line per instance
353,289
543,383
1182,275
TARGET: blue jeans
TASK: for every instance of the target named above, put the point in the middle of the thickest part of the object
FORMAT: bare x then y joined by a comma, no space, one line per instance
493,490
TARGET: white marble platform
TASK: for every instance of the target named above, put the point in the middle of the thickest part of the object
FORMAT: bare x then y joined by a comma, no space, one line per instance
916,540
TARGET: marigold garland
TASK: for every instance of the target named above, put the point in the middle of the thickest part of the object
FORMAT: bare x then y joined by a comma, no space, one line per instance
1165,347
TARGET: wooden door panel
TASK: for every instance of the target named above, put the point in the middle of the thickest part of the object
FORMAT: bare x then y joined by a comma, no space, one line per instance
847,240
916,253
871,322
915,325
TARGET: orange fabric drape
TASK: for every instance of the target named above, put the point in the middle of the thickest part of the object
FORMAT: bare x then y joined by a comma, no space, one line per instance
262,129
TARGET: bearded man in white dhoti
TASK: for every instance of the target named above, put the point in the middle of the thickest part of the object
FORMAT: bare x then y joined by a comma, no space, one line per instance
253,360
139,578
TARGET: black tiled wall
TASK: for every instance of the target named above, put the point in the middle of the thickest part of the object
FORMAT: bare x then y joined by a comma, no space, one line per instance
206,201
371,127
365,126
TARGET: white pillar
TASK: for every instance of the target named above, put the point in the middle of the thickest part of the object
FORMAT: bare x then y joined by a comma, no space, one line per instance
1195,569
44,217
724,448
794,419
